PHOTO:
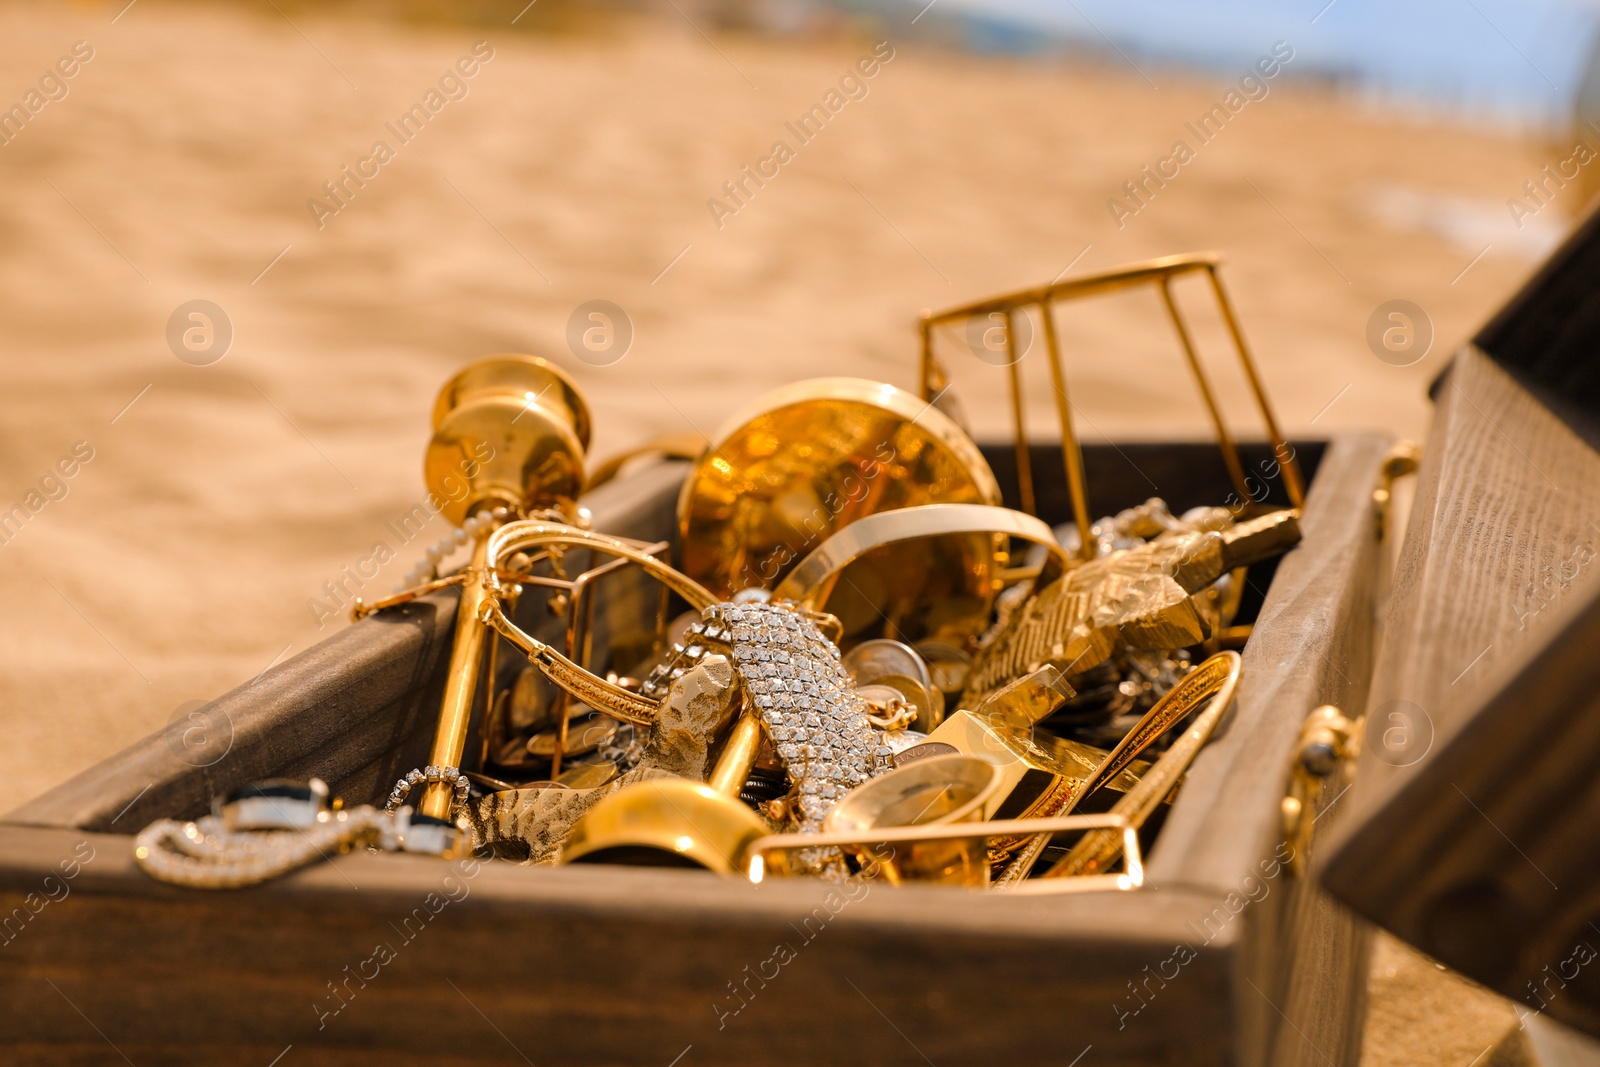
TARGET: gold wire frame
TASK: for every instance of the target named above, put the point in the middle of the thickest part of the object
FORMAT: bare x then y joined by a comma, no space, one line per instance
1155,272
1131,877
581,593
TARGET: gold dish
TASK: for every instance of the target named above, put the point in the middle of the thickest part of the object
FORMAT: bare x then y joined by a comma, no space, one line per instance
805,461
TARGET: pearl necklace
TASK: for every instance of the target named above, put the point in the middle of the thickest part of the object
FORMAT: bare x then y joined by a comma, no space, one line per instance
426,569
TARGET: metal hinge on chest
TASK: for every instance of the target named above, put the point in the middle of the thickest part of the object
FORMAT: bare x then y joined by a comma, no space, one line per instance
1329,744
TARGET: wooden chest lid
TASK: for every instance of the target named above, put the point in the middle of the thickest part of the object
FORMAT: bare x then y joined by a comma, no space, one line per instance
1474,822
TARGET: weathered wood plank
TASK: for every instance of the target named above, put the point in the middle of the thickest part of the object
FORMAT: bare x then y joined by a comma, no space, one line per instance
604,966
1547,335
1481,852
1311,646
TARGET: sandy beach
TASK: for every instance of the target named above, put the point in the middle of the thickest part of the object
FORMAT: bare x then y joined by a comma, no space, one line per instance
210,499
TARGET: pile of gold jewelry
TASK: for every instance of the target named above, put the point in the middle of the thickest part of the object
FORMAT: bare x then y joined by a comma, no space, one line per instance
861,664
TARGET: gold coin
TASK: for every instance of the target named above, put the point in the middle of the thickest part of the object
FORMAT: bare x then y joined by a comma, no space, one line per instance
583,736
588,775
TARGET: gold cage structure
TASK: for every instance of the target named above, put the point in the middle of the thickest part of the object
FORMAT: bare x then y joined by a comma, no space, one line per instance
1158,273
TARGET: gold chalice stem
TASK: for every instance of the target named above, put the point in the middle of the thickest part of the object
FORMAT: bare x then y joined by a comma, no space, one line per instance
466,662
739,754
676,820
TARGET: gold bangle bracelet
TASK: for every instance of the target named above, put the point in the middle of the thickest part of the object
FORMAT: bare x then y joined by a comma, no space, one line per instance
519,536
811,581
583,685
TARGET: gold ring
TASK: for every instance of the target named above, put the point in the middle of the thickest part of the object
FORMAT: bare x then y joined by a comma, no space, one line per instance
812,580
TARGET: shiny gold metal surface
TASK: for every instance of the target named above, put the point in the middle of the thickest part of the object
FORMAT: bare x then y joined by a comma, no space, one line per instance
645,825
1035,765
576,595
1141,598
675,822
1181,701
529,706
1403,458
461,681
508,431
806,461
1029,699
514,376
1330,744
598,693
934,791
767,855
1215,681
581,737
588,775
948,666
739,752
900,667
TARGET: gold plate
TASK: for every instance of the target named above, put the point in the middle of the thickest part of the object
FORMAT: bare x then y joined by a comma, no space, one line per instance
805,461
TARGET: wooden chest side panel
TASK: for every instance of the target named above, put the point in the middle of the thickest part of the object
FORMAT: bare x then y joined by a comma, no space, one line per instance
1311,646
592,966
1506,496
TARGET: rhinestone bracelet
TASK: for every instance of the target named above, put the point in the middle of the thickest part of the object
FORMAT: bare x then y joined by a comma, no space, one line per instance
816,719
259,835
430,774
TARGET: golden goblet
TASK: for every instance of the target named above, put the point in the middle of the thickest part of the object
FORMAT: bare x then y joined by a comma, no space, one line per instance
673,822
508,430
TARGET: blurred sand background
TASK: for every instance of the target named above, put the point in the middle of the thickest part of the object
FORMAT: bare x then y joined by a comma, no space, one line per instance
220,498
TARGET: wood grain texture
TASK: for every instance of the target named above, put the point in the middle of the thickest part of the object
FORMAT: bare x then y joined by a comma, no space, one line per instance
1482,852
1312,646
595,966
624,965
